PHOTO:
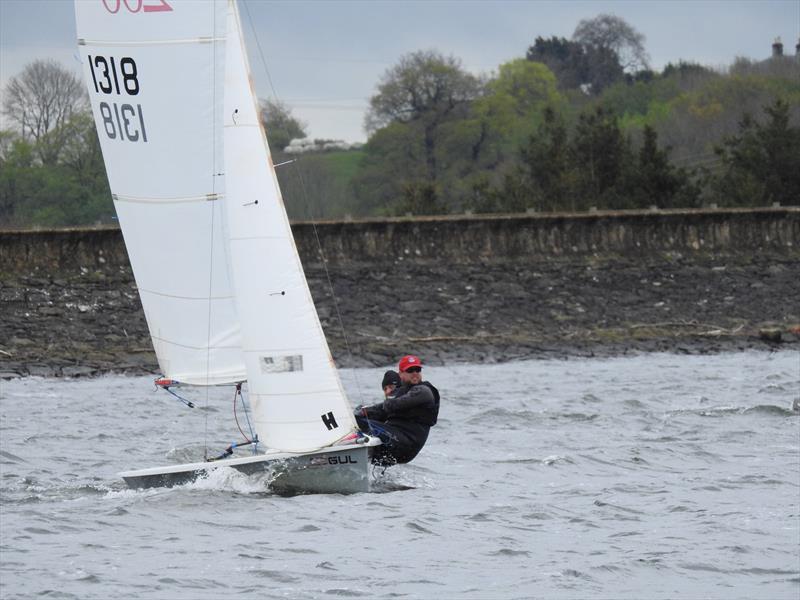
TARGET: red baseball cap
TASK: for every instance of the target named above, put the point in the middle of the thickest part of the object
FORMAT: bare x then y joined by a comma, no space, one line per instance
409,361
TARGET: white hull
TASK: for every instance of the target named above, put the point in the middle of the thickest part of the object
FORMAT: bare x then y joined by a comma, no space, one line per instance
332,470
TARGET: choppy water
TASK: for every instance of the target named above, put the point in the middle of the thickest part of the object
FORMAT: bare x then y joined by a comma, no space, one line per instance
655,476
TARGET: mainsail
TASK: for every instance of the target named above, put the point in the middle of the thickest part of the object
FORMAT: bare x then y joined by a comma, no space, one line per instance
155,80
202,215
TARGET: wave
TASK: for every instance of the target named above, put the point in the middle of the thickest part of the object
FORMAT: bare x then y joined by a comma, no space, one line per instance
20,489
547,460
723,411
509,418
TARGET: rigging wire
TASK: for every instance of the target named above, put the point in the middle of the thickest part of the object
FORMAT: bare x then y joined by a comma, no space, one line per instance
213,207
253,439
310,206
260,51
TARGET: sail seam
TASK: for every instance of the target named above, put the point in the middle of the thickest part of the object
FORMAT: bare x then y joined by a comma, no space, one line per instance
282,349
163,295
198,40
166,341
169,200
303,393
256,237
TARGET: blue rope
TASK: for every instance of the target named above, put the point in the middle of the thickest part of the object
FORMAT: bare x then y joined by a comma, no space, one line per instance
375,429
249,425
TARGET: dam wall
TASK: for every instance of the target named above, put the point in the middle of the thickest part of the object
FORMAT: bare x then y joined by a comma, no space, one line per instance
459,288
462,239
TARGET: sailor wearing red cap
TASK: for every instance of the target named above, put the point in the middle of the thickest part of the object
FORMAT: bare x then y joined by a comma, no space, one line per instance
405,418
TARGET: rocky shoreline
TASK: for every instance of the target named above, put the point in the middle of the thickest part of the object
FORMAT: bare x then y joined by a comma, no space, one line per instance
91,323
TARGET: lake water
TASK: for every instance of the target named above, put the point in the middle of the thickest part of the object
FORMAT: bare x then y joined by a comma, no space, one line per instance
654,476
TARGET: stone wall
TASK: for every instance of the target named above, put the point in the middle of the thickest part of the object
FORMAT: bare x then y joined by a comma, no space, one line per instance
457,288
524,238
456,239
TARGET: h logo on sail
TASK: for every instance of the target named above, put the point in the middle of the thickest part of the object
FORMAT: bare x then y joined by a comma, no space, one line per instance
329,420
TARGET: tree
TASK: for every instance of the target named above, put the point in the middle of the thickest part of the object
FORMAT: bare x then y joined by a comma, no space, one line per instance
613,33
280,125
600,151
547,158
73,191
393,155
420,198
15,157
41,100
420,84
656,181
761,164
424,90
576,65
529,85
81,153
507,113
563,57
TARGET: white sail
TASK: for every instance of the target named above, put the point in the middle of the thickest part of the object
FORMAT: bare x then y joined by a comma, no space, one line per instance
154,69
294,388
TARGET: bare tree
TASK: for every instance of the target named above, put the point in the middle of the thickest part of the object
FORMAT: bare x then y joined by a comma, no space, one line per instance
41,100
421,83
613,33
424,90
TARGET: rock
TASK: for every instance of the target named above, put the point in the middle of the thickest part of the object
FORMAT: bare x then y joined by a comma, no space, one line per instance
79,371
527,308
43,370
771,334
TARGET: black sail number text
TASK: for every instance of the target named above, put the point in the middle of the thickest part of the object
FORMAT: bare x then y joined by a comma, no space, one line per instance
123,121
107,75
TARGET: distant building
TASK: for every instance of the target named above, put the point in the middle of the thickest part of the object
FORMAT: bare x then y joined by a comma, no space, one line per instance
777,47
777,50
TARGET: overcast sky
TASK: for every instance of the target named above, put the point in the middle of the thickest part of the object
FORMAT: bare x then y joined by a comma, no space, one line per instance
325,57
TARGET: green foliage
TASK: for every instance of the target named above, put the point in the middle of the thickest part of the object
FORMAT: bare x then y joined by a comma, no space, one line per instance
318,186
656,181
393,157
72,192
595,166
419,198
761,163
576,64
422,85
280,125
529,86
597,145
448,158
568,127
547,157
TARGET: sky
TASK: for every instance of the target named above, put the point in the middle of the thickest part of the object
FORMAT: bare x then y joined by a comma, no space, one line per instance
324,58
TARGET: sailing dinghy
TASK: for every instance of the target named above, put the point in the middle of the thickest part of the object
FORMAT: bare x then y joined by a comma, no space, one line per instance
219,276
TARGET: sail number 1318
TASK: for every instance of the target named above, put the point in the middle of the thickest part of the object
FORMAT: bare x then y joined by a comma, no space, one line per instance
123,121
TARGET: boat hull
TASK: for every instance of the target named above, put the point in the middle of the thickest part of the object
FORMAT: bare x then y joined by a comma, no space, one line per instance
334,470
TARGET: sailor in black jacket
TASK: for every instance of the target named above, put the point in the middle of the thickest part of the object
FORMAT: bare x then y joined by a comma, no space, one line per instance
405,418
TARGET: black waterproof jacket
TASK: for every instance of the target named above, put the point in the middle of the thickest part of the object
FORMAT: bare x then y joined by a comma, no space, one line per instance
402,421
